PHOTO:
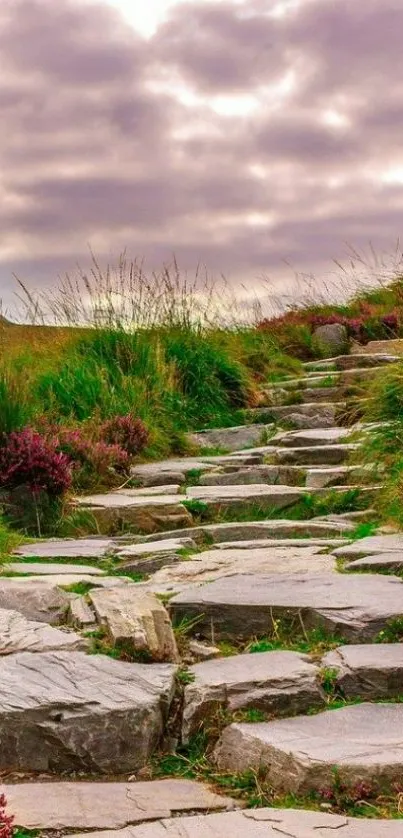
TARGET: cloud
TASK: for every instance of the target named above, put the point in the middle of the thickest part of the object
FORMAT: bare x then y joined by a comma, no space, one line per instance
116,140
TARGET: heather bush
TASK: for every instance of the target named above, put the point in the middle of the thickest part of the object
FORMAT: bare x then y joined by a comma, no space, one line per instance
94,462
28,459
6,821
127,432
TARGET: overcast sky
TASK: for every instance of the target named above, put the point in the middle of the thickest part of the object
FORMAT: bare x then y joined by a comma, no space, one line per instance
242,134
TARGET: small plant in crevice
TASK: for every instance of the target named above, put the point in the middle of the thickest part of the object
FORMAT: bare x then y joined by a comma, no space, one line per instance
343,795
328,679
393,631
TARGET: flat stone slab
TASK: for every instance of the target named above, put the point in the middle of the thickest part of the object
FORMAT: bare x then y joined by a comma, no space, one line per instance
281,683
372,545
136,621
164,545
315,454
68,711
149,513
66,806
17,634
247,530
272,543
148,558
356,607
304,438
217,564
52,569
261,823
222,497
75,548
369,671
299,755
231,439
37,599
382,562
319,478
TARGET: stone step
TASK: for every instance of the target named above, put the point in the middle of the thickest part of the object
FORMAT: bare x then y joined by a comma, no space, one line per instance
247,530
314,415
68,711
320,455
353,606
279,683
367,671
217,564
393,346
344,362
261,823
178,470
60,807
300,755
312,437
372,545
17,634
114,510
265,474
230,439
382,562
338,378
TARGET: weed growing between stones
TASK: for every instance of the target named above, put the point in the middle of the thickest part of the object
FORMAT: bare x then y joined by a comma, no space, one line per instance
392,633
292,635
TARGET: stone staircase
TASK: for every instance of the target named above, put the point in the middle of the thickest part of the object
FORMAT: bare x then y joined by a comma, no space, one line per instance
220,595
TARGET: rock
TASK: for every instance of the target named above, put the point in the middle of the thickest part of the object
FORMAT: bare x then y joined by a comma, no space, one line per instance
114,510
382,562
17,634
148,558
261,823
217,564
356,607
150,491
66,806
66,548
333,337
320,478
243,476
279,683
372,545
162,478
37,599
306,438
52,569
274,543
203,651
321,395
374,347
299,755
220,498
321,455
368,671
80,615
136,621
325,419
231,439
248,530
68,711
150,548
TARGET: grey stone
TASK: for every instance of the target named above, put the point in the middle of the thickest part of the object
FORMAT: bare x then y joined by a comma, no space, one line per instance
66,806
80,615
320,478
247,530
220,498
356,607
164,545
315,455
322,394
217,564
162,478
372,545
333,337
150,491
279,683
369,671
52,569
232,439
148,558
37,599
68,711
384,561
261,823
74,548
17,634
299,755
324,419
136,620
113,510
273,543
249,474
202,651
306,438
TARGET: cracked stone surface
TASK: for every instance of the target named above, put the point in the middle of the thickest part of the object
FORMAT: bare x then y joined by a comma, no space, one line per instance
315,455
37,599
17,634
107,805
68,711
298,755
135,620
261,823
282,683
368,671
53,569
149,514
217,564
232,439
305,438
356,607
246,530
240,496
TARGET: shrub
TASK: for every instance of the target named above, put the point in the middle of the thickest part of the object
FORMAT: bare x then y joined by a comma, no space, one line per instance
93,462
6,821
28,459
127,432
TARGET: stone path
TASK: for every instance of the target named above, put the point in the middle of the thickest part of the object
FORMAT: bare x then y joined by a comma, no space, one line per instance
214,599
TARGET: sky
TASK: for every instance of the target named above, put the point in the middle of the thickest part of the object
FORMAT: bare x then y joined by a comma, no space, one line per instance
257,137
